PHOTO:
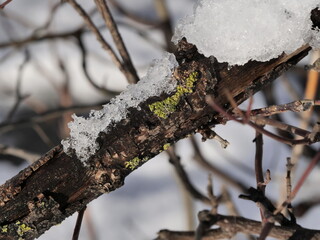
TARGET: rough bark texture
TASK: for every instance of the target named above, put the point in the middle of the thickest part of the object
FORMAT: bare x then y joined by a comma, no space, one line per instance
57,185
229,226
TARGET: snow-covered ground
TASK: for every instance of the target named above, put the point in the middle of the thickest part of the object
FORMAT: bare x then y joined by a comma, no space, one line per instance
151,198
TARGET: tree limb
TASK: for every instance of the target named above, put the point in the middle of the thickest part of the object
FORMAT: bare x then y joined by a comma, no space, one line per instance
57,185
229,226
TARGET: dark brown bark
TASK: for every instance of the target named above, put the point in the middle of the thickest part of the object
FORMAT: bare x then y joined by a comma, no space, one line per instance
229,226
57,185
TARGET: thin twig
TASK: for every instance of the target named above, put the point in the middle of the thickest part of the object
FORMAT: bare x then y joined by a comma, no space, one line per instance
289,86
258,161
188,191
99,36
185,179
203,162
19,96
303,178
19,153
310,93
5,4
45,37
280,125
77,227
213,198
208,133
132,16
43,135
131,72
229,203
296,106
166,26
285,140
85,69
289,188
46,116
266,229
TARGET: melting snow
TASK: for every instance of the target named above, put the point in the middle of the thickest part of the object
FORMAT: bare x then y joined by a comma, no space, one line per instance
84,131
236,31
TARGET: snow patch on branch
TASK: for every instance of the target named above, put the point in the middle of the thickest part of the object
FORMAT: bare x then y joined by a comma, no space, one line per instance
236,31
84,131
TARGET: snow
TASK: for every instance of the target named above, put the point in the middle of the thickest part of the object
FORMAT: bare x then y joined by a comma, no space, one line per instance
147,190
255,30
236,31
84,131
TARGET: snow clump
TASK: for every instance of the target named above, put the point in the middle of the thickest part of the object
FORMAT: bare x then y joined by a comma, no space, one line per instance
236,31
84,131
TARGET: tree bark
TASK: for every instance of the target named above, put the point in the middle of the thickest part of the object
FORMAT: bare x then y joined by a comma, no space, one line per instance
229,226
57,185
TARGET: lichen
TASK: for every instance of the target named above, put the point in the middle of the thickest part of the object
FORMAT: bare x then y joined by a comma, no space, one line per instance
4,229
166,146
22,229
134,163
167,106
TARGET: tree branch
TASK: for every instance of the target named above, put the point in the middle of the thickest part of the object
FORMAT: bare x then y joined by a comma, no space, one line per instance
229,226
112,26
57,185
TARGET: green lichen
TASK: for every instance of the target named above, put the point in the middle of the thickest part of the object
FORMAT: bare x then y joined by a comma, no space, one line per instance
22,229
166,146
164,108
4,229
134,163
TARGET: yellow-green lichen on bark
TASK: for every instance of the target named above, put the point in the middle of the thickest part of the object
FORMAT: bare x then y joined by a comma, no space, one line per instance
166,146
22,229
4,229
164,108
134,163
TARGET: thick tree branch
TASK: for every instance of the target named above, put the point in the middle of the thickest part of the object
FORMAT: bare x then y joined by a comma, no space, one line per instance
229,226
57,185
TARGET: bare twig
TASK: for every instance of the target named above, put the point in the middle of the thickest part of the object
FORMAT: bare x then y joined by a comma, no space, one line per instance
188,191
296,106
166,26
280,125
5,4
203,162
289,188
174,159
145,34
46,116
43,135
208,133
231,225
86,72
132,16
99,36
310,93
267,228
258,161
45,37
20,153
229,203
258,128
304,176
292,92
19,96
131,72
78,224
45,26
213,198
